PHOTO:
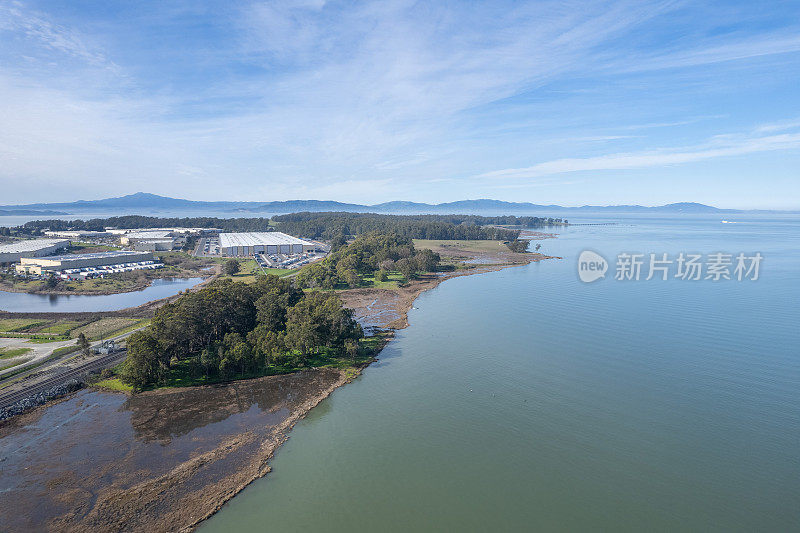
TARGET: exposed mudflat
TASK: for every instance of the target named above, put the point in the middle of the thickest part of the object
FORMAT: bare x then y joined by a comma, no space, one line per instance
388,308
157,461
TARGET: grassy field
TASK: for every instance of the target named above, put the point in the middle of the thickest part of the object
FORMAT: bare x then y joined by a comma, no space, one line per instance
61,327
442,246
104,327
43,331
8,353
393,281
20,324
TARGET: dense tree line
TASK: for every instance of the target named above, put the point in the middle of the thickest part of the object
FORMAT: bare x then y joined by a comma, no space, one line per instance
372,254
518,245
450,227
36,227
232,328
316,225
331,225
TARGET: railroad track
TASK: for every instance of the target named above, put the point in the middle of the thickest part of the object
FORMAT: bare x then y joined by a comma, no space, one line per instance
53,381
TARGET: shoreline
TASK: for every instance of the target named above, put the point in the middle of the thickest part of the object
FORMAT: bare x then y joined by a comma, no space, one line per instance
128,506
107,292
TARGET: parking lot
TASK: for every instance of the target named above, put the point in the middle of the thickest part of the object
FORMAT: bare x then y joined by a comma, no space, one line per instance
207,247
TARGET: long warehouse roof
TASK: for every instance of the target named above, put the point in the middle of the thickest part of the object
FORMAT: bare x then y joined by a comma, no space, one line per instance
95,255
272,238
29,246
148,234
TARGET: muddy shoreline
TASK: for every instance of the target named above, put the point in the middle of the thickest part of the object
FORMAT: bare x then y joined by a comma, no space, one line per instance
388,308
180,491
164,461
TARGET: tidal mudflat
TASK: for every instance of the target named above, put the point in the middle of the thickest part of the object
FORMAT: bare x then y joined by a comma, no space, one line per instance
156,461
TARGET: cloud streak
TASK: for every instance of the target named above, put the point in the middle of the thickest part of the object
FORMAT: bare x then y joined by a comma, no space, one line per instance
721,146
356,100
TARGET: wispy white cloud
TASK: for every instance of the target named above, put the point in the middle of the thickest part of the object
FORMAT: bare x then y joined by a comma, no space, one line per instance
356,100
712,52
41,32
718,146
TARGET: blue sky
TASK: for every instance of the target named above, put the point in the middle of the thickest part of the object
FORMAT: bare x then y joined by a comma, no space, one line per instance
549,102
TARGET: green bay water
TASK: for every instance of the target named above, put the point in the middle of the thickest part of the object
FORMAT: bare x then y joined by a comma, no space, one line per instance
527,400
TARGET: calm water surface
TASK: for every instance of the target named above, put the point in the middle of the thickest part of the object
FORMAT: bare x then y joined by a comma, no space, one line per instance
20,302
527,400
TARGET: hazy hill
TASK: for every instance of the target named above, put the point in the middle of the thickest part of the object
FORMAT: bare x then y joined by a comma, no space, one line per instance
153,202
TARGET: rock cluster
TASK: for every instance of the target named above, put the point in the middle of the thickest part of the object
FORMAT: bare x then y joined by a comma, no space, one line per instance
40,398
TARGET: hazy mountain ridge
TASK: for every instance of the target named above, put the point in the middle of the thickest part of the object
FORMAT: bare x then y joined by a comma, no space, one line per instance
143,200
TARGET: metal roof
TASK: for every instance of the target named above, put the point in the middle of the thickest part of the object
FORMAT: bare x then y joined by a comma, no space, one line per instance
269,238
30,245
150,234
96,255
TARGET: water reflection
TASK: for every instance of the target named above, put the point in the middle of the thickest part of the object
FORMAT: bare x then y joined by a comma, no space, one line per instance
108,443
20,302
162,416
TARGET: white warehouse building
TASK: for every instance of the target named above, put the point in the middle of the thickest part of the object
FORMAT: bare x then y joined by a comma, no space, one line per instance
272,242
13,252
119,259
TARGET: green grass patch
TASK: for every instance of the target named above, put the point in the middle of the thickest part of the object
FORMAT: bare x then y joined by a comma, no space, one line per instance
394,279
113,384
61,328
9,353
20,324
64,350
46,339
104,327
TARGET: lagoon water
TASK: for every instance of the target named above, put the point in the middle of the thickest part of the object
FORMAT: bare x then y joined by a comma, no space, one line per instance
528,400
20,302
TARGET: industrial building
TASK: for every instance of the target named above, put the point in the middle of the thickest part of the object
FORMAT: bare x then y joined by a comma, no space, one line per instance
77,234
108,261
250,244
13,252
137,236
149,241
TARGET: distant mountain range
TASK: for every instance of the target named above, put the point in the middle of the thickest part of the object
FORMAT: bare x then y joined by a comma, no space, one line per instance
11,211
142,203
